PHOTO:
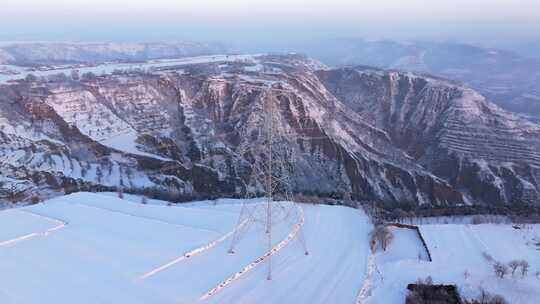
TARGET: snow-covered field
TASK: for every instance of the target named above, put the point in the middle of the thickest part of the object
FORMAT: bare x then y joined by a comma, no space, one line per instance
17,72
97,248
458,257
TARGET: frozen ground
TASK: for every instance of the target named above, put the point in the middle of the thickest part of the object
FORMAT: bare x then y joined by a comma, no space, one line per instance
95,248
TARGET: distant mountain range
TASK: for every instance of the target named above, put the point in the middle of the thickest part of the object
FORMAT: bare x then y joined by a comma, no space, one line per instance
46,53
506,78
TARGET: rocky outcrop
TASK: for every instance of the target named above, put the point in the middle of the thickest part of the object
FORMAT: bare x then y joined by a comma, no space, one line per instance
378,135
490,155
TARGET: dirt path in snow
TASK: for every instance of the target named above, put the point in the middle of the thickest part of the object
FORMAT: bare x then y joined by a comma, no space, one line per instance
192,253
365,290
226,283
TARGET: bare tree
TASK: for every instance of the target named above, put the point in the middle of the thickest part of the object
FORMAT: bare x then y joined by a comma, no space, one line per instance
514,264
500,269
524,268
381,235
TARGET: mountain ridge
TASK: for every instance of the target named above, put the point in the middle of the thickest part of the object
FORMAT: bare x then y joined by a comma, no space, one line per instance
379,135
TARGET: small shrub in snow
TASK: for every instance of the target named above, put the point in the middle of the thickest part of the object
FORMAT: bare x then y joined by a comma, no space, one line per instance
35,200
486,298
500,269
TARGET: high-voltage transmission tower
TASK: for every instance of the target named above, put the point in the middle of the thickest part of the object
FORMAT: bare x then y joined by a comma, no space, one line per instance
271,156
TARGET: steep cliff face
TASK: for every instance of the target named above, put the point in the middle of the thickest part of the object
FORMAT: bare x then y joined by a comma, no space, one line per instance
59,140
489,154
379,135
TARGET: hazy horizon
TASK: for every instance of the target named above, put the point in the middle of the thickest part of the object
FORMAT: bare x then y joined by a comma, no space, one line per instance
271,24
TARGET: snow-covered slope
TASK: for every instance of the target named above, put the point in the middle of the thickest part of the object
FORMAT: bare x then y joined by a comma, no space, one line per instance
93,248
462,255
89,248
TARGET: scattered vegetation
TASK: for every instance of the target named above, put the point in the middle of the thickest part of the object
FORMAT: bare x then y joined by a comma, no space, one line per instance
522,265
381,236
482,214
35,200
501,270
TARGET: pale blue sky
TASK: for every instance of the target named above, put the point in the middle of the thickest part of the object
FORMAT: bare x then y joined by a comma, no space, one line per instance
462,9
480,21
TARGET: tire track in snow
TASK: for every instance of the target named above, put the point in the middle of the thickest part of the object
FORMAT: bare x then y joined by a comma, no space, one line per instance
191,253
60,225
292,235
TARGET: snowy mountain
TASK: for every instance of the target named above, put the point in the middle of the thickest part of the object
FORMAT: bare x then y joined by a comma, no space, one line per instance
504,77
180,125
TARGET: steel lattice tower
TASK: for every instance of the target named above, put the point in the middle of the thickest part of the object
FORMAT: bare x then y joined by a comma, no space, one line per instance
273,159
